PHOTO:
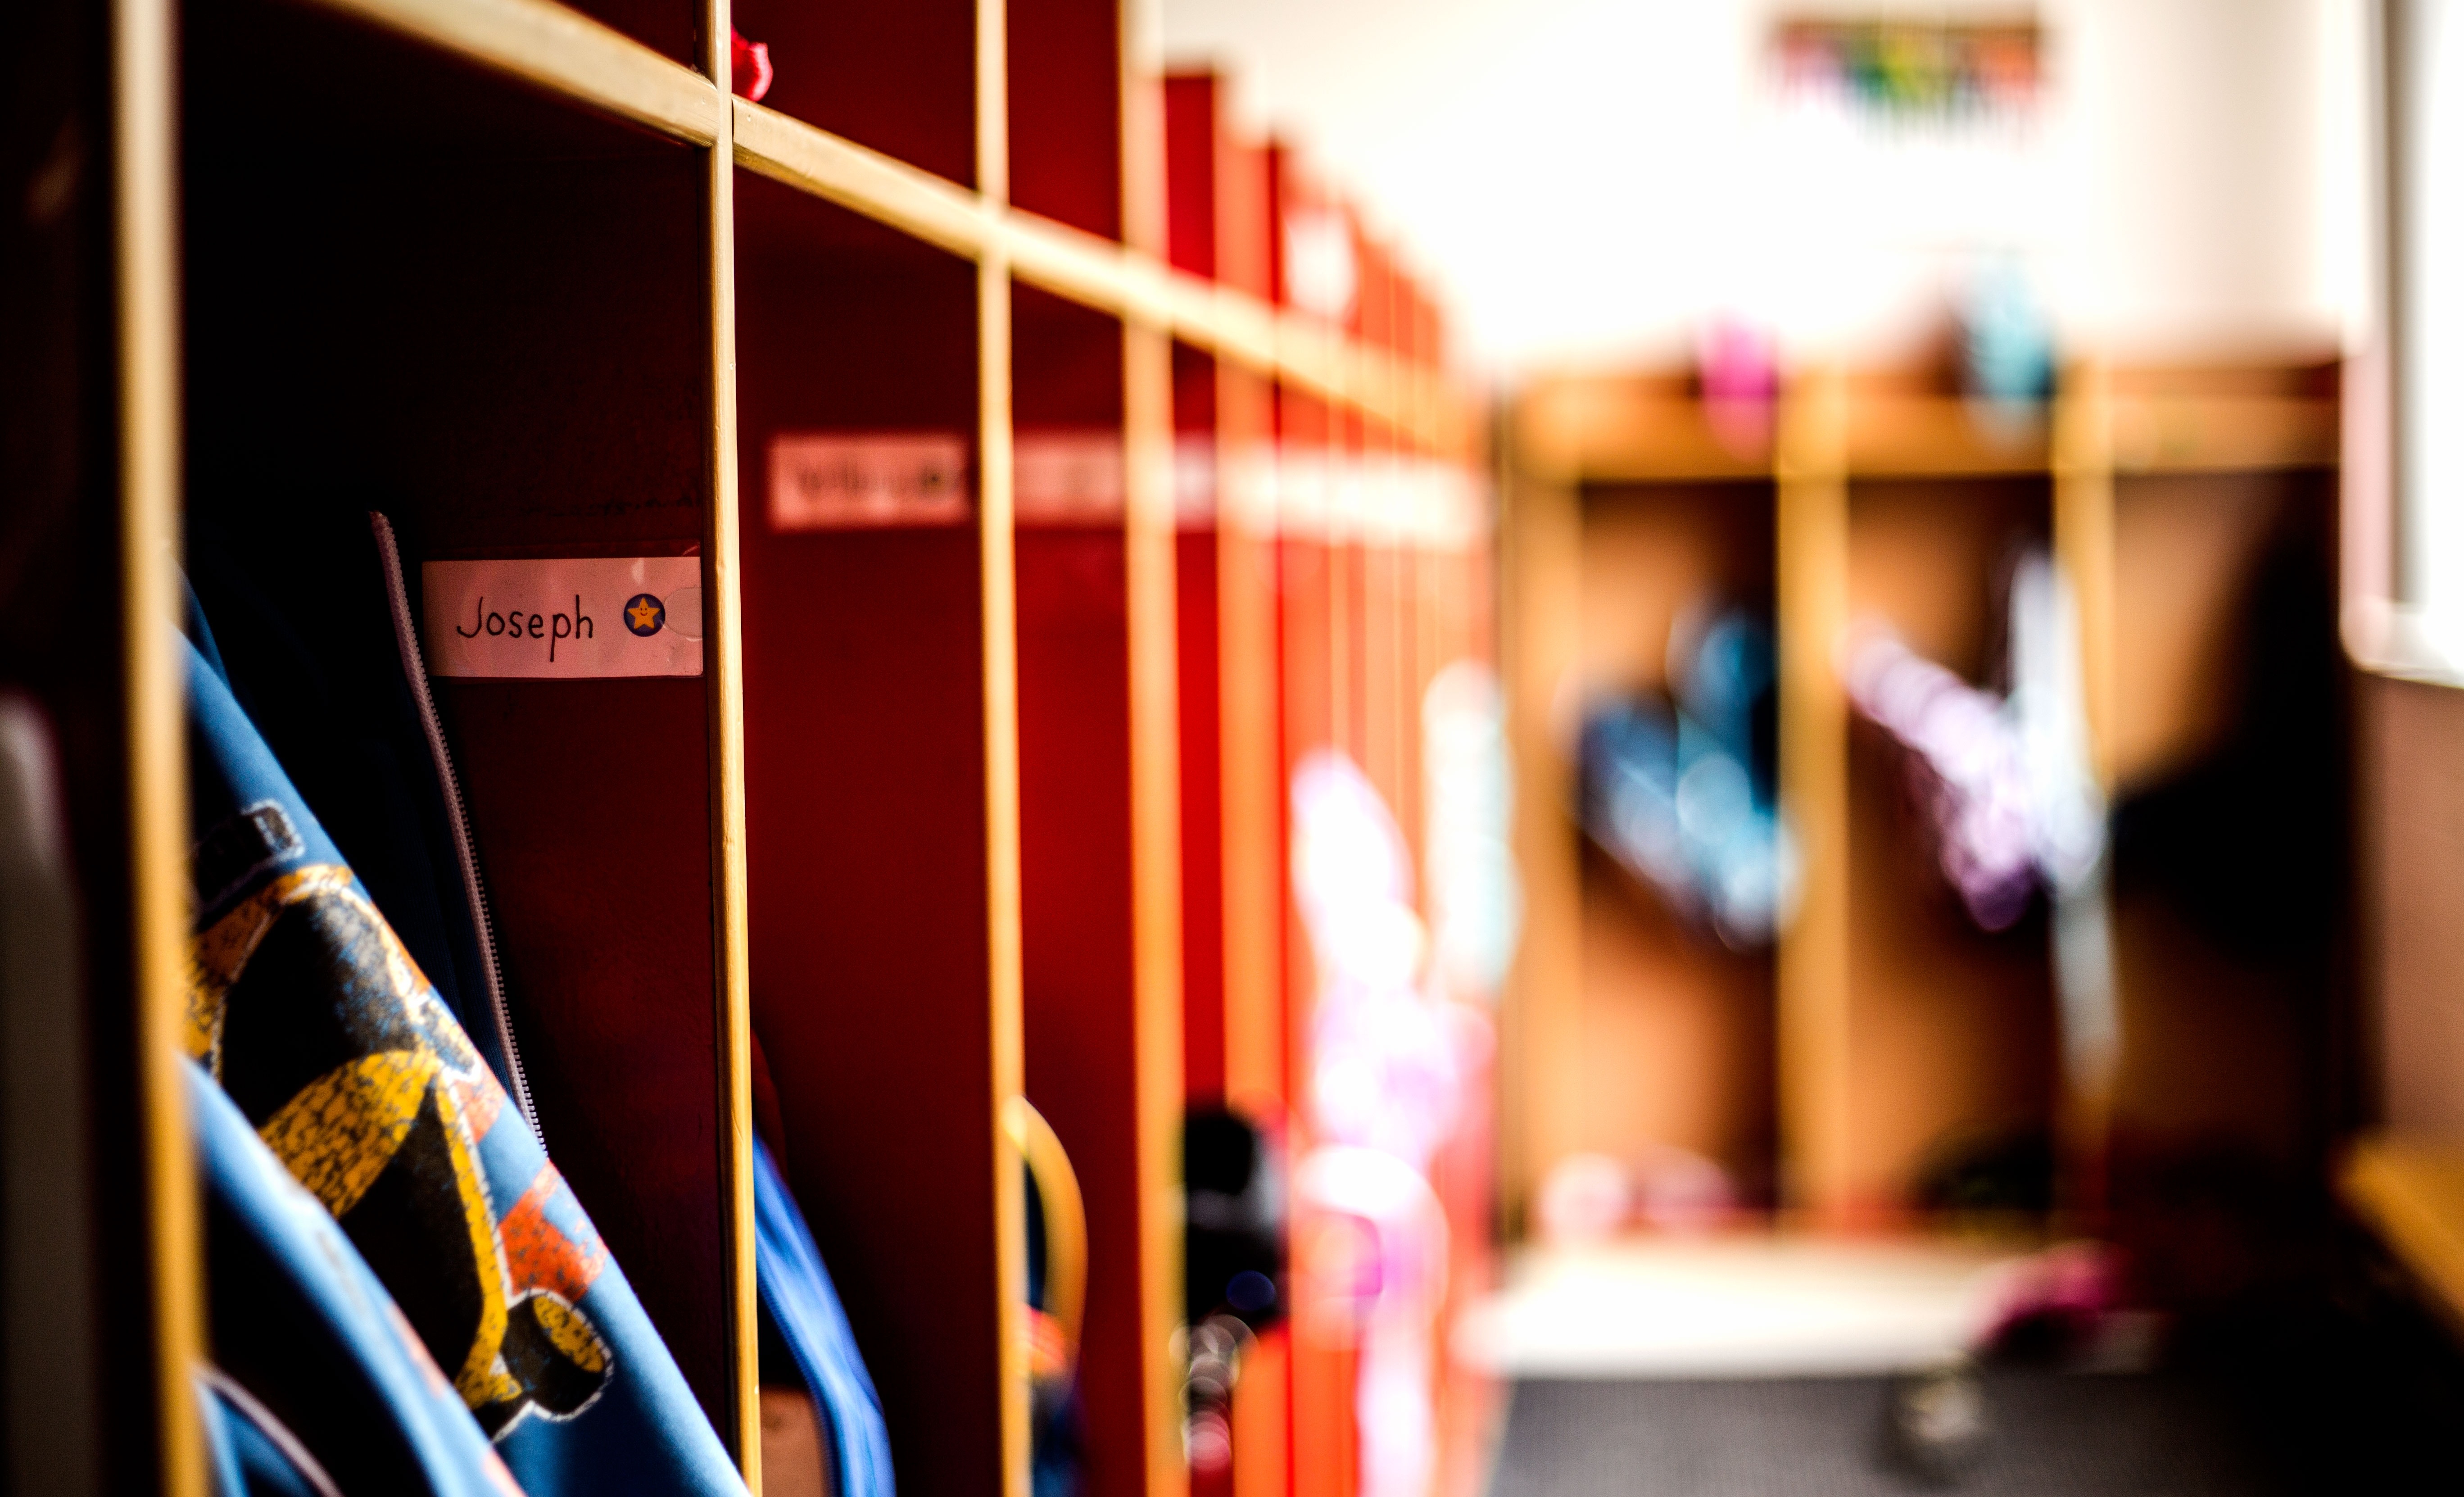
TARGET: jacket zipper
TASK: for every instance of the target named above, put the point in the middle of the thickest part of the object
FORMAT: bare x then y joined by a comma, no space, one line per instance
414,668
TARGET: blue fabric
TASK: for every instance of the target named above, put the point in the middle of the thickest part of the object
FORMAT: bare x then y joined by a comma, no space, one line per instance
298,1320
796,1290
302,633
336,1050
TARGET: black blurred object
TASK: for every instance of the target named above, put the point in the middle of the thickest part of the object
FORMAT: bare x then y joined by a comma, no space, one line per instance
2250,842
2006,1173
1236,1214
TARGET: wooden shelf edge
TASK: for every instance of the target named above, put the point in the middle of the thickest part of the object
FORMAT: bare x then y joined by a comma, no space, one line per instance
1589,431
562,50
863,181
573,57
2409,1193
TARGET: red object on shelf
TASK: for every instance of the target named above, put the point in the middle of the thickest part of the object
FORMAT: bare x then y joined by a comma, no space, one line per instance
749,65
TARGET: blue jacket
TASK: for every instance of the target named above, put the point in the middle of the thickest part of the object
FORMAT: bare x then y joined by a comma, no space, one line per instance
336,1050
321,1386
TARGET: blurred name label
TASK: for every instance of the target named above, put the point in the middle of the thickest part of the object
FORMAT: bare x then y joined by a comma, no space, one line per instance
1070,479
843,480
577,618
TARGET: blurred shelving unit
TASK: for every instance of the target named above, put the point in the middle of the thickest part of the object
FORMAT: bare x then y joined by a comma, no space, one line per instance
539,271
1880,1027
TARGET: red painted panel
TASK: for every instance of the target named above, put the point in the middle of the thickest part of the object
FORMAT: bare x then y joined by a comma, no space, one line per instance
1065,112
900,78
1202,821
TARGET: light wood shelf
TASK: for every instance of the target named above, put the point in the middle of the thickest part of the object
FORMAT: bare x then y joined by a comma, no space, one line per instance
1607,429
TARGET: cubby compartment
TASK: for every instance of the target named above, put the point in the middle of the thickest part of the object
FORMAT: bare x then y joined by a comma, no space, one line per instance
871,847
1075,743
1676,1063
2232,845
1952,1051
421,289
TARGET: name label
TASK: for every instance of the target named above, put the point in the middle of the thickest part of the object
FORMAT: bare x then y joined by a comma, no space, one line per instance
578,618
823,480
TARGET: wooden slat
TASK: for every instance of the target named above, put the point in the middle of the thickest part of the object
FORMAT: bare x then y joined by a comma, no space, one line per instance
563,52
1892,436
2222,433
569,54
1813,995
863,181
145,163
1609,431
1097,273
724,680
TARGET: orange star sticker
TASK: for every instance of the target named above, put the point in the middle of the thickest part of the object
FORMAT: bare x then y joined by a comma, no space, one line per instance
644,614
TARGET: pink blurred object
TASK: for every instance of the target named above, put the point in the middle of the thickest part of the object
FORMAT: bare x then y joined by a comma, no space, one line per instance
749,65
1586,1197
2066,1304
1738,364
1681,1191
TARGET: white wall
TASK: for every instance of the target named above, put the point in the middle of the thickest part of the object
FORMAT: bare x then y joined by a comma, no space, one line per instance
1590,180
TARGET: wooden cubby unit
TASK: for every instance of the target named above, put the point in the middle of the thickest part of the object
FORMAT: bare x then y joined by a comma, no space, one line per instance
490,317
534,279
1901,1034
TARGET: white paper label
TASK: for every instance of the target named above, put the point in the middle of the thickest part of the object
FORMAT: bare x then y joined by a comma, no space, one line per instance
578,618
837,480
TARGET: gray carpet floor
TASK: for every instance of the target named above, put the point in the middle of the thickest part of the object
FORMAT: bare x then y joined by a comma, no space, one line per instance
2049,1436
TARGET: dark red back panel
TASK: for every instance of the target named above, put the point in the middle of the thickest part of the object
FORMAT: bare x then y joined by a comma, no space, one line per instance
900,78
1065,112
1190,100
1202,821
1074,834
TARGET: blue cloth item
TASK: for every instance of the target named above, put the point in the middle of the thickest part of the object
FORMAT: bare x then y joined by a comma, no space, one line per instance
797,1293
325,1359
302,633
337,1052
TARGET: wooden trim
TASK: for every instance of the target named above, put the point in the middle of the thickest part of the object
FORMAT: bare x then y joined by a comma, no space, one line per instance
146,251
1151,547
1924,436
565,52
2084,541
1812,968
1151,557
1540,636
1600,428
2224,434
723,683
995,509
